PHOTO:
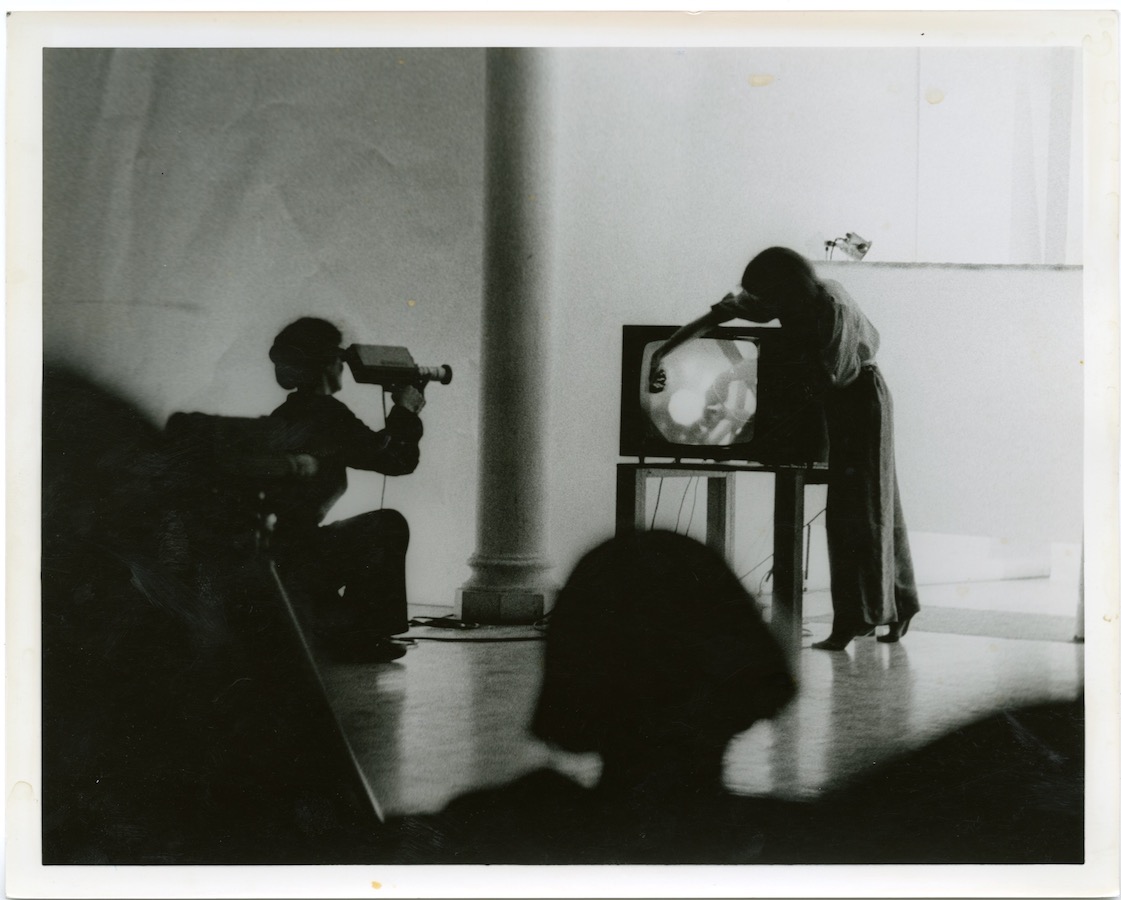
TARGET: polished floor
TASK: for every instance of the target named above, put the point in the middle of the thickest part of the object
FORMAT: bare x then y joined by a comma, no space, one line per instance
451,715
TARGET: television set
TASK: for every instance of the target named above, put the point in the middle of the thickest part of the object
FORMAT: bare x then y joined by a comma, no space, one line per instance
735,393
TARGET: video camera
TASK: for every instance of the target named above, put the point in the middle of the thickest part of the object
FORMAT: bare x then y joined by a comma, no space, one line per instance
390,366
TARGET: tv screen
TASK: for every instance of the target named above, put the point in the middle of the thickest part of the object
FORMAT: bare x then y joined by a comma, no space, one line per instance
735,393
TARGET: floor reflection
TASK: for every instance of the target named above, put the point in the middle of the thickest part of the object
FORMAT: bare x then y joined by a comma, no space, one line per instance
860,707
873,688
452,716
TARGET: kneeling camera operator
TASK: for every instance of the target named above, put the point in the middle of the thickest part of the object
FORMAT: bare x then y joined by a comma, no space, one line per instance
347,578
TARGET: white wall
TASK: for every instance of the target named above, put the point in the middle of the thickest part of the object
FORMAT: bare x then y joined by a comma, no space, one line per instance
960,155
197,201
996,163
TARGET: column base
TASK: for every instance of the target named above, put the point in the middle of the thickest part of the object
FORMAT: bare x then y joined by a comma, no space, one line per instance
494,606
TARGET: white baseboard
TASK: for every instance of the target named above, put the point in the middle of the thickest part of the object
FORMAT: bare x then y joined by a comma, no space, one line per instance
955,559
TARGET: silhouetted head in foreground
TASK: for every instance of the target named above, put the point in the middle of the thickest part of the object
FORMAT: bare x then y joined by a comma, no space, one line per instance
656,657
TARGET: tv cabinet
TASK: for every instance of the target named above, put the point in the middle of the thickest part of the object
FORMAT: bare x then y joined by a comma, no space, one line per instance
789,516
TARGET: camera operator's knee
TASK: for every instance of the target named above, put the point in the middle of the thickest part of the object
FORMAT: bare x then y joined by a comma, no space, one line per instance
391,528
382,529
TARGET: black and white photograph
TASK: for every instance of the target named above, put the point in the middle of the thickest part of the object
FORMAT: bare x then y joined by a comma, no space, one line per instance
562,454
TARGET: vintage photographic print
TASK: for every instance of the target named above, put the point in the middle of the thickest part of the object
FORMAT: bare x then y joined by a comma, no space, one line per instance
562,455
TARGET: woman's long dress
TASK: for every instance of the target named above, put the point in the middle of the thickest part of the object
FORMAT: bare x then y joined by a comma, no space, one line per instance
872,577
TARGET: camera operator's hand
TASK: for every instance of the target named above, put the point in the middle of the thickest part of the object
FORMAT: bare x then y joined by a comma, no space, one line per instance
304,465
408,396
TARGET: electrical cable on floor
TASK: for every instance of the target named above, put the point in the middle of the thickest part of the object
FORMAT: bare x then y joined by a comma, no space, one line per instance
806,561
681,506
657,500
805,527
541,625
809,536
450,622
753,568
693,511
442,622
483,640
384,478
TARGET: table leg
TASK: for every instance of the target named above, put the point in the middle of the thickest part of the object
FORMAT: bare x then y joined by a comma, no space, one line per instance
630,499
786,612
720,530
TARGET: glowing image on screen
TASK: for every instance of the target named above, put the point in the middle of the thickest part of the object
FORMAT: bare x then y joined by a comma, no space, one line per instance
710,392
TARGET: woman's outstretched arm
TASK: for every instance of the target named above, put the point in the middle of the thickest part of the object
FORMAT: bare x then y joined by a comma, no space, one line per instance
710,319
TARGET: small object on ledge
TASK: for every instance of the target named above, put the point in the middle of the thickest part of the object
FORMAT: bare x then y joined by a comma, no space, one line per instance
852,245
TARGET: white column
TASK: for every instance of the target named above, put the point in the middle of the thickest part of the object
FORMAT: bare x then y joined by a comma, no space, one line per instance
508,583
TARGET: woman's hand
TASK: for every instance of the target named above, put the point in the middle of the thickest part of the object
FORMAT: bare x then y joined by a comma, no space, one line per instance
657,380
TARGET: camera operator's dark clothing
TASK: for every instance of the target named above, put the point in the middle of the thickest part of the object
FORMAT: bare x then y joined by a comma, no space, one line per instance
363,555
325,428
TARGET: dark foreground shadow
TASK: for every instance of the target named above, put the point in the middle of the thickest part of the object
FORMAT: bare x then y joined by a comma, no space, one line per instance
183,719
655,658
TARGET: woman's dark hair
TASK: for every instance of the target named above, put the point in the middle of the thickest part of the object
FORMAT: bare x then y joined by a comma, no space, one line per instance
776,270
303,349
654,639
